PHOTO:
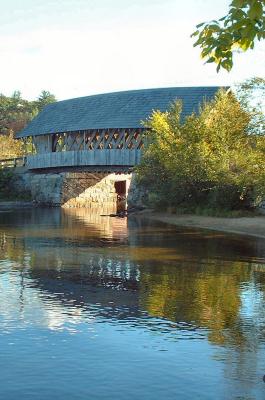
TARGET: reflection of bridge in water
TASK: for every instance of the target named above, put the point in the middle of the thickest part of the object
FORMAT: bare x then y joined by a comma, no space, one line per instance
97,220
68,270
135,264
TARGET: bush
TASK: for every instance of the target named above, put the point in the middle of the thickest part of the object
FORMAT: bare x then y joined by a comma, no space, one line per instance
209,160
5,177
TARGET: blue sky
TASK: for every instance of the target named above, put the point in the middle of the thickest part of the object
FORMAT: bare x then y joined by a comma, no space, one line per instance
80,47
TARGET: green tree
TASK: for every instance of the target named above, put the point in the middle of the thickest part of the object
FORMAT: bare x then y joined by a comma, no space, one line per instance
238,30
251,95
15,114
207,160
10,147
44,99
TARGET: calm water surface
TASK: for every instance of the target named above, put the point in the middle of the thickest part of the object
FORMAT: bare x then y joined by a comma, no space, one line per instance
96,307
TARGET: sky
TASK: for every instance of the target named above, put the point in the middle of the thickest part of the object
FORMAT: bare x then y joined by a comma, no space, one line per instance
77,48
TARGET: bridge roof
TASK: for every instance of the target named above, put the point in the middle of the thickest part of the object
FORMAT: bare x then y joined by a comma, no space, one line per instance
113,110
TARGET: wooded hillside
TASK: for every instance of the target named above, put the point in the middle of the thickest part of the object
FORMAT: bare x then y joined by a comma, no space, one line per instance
15,113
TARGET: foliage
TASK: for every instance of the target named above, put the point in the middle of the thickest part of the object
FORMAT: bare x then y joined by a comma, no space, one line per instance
207,160
251,95
15,113
44,99
238,30
9,147
8,191
5,176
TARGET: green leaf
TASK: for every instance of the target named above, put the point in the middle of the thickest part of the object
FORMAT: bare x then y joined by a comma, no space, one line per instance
214,27
243,24
237,3
210,60
255,12
205,52
244,44
199,25
196,33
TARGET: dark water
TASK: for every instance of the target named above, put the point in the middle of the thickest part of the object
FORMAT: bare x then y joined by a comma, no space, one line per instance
104,308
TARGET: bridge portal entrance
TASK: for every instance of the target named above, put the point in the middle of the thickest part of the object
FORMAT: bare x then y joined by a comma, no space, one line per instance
121,190
120,187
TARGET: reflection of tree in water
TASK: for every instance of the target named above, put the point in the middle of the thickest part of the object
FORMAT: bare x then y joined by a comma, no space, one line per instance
170,284
12,248
210,296
206,294
156,277
176,284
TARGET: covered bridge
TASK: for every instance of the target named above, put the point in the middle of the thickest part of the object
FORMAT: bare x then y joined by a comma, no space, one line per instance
104,129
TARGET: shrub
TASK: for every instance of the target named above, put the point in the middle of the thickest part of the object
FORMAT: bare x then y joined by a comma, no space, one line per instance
208,160
5,177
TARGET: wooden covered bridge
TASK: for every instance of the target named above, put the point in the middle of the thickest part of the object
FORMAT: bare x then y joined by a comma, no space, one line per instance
84,149
101,130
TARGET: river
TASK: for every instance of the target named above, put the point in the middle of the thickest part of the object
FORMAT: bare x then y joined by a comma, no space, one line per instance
94,307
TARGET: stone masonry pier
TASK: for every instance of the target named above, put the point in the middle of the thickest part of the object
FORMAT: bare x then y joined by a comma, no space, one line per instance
72,189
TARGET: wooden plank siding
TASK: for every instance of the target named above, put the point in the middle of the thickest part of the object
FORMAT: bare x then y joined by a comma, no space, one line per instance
94,147
103,157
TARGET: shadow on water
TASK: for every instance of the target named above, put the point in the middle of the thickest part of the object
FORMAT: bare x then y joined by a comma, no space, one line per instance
180,283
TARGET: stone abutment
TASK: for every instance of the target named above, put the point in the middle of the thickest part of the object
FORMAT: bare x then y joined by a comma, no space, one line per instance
76,189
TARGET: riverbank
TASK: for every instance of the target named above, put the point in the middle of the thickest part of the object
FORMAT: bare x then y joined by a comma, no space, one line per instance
250,226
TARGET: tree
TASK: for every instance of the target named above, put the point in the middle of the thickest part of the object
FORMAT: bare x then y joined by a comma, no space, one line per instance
209,160
15,114
9,147
238,30
44,99
251,95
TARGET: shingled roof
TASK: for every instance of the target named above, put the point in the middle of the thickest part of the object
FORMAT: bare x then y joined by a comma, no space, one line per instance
113,110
